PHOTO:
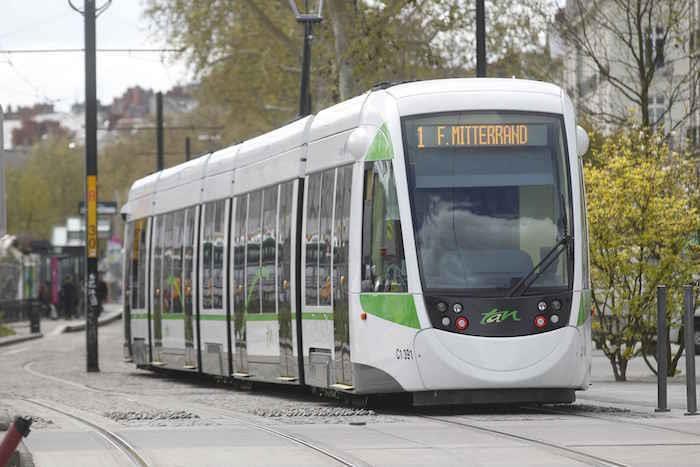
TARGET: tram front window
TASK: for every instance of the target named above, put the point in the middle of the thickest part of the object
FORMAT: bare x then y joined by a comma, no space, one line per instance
490,200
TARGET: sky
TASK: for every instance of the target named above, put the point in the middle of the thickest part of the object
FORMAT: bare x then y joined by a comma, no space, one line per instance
26,79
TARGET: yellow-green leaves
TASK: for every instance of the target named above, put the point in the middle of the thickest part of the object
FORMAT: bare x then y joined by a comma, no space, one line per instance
642,213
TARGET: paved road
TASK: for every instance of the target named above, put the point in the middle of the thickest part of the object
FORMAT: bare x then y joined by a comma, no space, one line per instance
166,422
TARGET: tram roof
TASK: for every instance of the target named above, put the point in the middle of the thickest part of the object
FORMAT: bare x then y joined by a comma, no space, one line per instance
442,86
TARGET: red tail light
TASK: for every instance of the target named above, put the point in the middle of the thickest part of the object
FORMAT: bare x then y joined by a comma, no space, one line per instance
540,321
461,323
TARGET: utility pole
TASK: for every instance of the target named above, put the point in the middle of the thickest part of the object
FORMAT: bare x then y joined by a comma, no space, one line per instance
188,149
3,209
90,13
308,17
480,39
160,151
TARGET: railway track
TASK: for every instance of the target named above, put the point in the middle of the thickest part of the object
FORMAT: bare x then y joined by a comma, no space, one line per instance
122,445
119,443
570,453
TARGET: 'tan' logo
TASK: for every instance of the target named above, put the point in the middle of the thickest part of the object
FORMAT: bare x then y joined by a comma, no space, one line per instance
498,316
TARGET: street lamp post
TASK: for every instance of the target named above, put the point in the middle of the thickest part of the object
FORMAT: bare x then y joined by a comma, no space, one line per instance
308,18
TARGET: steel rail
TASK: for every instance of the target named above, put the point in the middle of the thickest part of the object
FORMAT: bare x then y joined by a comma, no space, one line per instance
218,411
554,411
112,438
564,451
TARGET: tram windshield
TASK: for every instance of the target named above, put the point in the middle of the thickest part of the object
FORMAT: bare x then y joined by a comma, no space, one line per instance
490,200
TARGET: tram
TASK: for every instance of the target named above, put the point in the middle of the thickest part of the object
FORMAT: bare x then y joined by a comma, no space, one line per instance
426,238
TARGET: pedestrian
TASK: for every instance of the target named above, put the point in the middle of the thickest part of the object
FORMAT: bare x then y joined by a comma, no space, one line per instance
69,297
101,292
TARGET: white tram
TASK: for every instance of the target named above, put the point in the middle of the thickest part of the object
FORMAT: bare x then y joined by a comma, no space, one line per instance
427,237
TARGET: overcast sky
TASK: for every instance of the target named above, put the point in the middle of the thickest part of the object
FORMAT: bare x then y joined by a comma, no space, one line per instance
59,78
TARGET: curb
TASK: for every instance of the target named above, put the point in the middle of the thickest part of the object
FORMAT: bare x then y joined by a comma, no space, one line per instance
100,322
16,340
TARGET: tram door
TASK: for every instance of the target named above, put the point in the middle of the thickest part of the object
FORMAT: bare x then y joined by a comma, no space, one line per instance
325,317
341,235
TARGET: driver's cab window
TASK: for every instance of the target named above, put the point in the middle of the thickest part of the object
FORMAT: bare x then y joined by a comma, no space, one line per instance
383,259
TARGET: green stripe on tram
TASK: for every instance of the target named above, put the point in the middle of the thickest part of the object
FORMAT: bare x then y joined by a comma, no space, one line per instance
398,308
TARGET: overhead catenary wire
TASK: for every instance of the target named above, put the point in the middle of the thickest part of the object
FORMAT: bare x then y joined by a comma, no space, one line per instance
80,50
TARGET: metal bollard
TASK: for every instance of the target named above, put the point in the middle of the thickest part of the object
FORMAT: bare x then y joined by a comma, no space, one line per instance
661,350
18,430
690,351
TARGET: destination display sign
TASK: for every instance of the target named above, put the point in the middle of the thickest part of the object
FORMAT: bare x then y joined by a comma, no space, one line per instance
473,135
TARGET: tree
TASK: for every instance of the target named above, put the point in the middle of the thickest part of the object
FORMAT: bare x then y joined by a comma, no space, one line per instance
46,189
637,57
642,212
246,53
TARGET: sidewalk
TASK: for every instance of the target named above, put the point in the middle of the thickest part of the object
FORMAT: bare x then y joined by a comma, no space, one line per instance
50,327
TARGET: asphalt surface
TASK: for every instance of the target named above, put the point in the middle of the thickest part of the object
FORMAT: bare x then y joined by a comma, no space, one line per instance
125,416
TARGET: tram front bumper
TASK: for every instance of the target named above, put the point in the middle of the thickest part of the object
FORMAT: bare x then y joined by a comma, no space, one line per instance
554,359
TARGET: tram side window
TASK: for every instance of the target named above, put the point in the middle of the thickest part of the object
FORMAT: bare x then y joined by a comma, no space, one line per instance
219,248
142,254
136,236
284,248
167,262
157,258
324,239
584,232
207,236
383,261
253,267
312,238
269,243
188,260
239,256
341,235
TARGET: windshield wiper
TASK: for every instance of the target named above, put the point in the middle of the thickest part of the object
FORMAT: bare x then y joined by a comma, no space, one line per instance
539,269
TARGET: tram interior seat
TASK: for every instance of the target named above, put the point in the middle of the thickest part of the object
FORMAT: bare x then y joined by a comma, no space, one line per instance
489,268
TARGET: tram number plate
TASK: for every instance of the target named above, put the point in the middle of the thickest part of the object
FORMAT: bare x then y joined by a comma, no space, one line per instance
404,354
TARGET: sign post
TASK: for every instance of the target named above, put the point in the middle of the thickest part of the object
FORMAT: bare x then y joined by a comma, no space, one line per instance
91,246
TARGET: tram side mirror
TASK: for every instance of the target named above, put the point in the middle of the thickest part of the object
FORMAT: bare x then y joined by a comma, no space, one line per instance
582,141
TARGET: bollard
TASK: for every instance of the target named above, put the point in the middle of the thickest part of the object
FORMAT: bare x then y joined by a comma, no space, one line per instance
690,351
18,430
661,350
34,317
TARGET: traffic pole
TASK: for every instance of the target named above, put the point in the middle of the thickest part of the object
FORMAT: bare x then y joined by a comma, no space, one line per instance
18,430
661,350
160,151
689,340
480,39
91,244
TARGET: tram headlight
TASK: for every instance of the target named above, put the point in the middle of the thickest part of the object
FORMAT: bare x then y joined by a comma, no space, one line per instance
556,305
442,307
542,305
457,308
554,319
446,321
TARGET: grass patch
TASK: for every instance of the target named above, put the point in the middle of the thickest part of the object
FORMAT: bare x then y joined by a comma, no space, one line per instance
4,330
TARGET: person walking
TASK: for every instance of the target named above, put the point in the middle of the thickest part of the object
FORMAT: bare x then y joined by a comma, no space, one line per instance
101,292
69,297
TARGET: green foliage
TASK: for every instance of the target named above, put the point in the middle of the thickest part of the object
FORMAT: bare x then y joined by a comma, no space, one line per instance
46,189
642,211
247,52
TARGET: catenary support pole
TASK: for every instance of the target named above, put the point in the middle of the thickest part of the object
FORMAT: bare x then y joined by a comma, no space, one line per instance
188,149
160,151
91,242
305,96
689,339
661,350
480,39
